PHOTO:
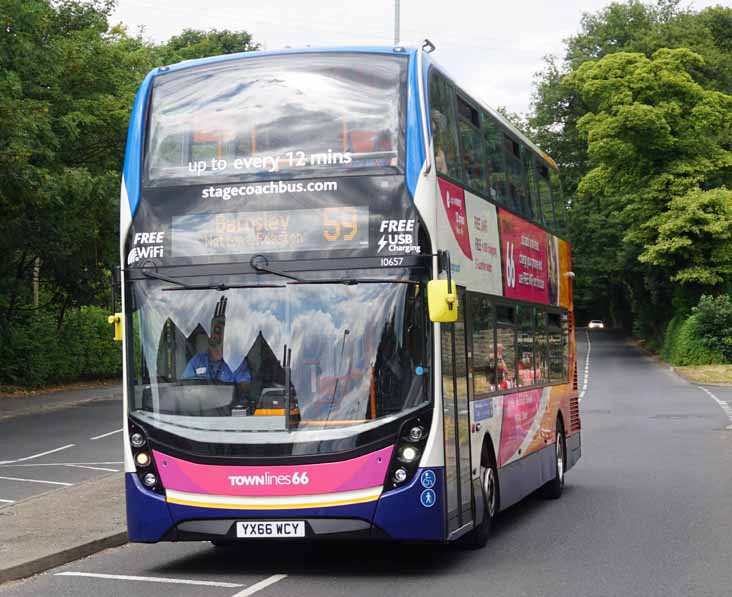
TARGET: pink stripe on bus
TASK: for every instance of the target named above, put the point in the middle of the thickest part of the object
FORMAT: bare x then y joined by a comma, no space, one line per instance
288,480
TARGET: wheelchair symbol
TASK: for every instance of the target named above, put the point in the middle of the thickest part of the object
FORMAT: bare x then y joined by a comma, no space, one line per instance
428,479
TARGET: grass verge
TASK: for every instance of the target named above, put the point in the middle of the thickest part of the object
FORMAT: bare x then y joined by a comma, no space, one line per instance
8,391
718,375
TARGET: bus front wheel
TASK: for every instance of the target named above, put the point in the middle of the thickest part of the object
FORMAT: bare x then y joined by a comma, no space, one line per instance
478,537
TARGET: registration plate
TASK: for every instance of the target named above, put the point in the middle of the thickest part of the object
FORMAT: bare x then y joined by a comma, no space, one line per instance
271,528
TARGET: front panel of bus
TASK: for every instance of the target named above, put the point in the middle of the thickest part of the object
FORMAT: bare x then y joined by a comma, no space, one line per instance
278,350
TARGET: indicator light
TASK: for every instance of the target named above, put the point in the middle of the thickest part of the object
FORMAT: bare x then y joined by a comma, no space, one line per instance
142,459
150,480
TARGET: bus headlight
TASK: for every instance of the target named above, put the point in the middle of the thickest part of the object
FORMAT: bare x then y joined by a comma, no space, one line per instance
400,475
137,440
142,459
416,433
409,448
147,472
408,454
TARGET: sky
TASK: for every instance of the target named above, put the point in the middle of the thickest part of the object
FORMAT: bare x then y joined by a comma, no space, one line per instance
493,49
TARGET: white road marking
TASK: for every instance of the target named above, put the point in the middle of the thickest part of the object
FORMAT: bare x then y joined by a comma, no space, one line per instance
260,585
36,481
106,434
37,455
586,377
7,501
175,581
724,405
93,468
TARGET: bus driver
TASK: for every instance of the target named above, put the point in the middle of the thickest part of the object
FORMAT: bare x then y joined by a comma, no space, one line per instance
210,364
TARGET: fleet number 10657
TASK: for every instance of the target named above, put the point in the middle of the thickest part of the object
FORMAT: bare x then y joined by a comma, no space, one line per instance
391,261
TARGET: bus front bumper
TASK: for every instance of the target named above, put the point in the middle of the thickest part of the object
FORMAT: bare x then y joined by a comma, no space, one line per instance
413,512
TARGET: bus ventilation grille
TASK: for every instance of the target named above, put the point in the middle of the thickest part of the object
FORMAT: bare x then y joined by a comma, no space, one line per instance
574,417
575,384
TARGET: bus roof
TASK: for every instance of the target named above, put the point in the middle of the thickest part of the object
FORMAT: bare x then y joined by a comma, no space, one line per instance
398,50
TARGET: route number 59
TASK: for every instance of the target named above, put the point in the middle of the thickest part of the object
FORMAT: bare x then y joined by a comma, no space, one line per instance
337,220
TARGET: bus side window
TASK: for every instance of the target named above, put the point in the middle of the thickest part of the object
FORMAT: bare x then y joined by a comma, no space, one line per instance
495,170
444,128
484,350
554,334
532,189
505,347
516,181
525,333
560,208
471,145
540,347
545,194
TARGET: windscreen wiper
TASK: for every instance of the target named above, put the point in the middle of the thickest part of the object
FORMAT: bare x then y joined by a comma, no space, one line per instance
260,263
354,281
183,286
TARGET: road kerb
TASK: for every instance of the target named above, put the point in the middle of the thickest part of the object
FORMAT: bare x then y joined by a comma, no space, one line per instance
65,556
61,526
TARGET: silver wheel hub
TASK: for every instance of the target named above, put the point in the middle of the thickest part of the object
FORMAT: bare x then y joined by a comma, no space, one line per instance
489,490
560,458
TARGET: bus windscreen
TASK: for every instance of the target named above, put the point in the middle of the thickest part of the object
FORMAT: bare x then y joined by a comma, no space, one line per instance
277,116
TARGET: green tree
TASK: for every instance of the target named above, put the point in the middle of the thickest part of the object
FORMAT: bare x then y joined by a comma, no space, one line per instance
67,85
624,161
192,44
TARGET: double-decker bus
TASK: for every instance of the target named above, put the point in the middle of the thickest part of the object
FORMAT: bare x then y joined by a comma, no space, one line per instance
347,303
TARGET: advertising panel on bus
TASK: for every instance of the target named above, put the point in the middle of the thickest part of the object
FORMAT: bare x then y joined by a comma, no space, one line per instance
530,260
469,230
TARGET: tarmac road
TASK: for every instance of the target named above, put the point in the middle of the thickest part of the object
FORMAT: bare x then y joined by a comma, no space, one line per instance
53,448
647,511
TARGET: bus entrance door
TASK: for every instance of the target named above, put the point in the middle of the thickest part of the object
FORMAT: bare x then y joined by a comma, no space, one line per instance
455,368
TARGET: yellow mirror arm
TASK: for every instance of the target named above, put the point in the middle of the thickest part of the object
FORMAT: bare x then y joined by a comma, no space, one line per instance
116,321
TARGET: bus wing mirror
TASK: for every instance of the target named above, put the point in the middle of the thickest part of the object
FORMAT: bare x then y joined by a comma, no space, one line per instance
442,301
116,321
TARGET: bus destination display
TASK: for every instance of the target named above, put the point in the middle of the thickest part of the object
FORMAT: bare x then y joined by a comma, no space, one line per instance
243,233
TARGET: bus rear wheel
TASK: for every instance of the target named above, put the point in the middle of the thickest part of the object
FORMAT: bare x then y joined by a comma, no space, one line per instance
553,489
479,536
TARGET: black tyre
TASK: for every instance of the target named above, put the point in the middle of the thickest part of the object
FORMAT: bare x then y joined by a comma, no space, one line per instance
553,489
479,536
223,543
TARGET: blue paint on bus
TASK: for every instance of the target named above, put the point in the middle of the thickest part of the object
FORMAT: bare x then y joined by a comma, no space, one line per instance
148,518
132,172
401,515
415,148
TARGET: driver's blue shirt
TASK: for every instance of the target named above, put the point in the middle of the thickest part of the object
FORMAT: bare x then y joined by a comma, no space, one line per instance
202,367
241,373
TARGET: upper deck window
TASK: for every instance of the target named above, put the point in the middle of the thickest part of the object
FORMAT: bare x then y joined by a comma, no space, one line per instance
277,116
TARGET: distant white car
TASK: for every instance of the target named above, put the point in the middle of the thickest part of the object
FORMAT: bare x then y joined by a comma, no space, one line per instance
596,323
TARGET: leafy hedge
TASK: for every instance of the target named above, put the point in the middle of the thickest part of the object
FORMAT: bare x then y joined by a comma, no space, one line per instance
714,317
683,344
34,352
